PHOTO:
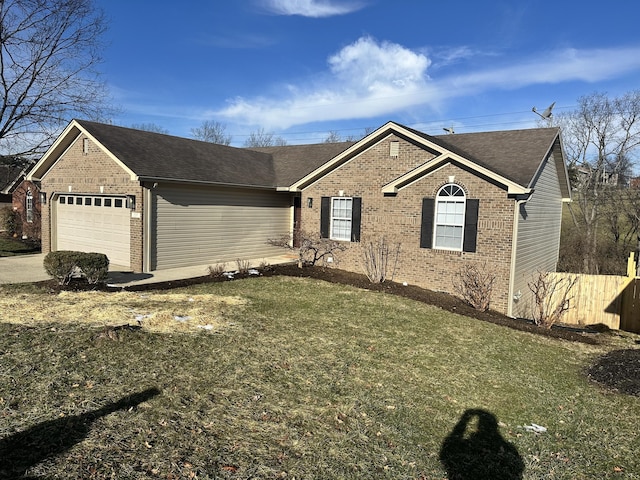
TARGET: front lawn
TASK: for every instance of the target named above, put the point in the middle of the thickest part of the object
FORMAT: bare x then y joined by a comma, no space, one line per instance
10,246
296,378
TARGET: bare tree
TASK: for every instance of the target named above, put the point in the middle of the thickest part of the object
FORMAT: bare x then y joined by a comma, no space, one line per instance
210,131
599,137
333,137
261,138
49,52
150,127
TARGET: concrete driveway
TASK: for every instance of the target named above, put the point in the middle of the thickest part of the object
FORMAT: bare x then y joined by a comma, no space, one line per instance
22,269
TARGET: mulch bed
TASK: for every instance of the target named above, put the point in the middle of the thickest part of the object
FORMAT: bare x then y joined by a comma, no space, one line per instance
618,370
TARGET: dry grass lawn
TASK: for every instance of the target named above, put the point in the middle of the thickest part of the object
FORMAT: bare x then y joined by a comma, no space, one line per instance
156,312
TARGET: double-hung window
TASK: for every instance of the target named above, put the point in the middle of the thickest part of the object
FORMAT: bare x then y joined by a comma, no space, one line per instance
340,218
341,208
450,208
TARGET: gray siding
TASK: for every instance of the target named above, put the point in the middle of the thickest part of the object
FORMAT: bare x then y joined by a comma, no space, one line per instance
201,226
538,236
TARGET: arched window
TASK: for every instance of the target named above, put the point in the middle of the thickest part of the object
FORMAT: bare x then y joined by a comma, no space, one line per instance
449,217
29,206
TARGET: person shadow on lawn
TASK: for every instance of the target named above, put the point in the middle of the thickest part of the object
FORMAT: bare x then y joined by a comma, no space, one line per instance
23,450
475,450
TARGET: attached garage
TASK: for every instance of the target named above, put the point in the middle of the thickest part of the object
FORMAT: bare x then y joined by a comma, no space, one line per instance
94,223
197,225
151,201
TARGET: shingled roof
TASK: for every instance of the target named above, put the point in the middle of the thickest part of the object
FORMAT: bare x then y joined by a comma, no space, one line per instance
156,156
513,154
292,162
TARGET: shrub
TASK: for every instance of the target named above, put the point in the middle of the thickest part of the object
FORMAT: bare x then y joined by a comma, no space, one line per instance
9,220
65,265
475,285
551,295
311,248
61,265
94,267
243,265
375,259
216,270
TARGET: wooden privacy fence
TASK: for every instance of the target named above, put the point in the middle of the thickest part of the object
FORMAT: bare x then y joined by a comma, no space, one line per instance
607,299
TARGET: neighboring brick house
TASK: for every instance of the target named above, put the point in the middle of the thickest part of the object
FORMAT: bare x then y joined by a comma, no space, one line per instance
153,201
24,199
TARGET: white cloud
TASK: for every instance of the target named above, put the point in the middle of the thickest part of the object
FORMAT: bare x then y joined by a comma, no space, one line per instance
366,78
311,8
556,67
369,79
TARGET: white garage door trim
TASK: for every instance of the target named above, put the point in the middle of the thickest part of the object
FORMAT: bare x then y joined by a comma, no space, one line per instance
94,223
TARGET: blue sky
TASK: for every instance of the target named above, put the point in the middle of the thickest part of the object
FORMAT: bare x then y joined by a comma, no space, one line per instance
302,68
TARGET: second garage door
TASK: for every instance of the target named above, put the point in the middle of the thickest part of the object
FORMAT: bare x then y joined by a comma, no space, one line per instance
90,223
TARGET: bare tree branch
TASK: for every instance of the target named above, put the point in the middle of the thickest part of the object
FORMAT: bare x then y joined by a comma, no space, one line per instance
213,132
49,53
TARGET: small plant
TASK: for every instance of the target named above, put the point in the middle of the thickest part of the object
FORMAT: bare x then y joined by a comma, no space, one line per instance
475,285
375,259
243,266
551,295
216,270
311,248
265,266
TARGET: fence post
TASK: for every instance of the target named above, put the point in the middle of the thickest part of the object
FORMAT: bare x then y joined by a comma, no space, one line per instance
631,265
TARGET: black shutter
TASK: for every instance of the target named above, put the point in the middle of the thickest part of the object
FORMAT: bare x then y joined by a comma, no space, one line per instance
426,227
470,225
356,215
325,216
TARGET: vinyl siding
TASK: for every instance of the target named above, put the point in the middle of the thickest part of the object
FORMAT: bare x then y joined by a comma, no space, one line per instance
538,236
202,226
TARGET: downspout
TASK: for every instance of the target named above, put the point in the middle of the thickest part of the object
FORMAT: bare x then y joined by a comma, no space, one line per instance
514,248
146,230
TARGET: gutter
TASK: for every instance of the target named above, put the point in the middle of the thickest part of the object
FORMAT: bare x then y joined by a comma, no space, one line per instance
152,180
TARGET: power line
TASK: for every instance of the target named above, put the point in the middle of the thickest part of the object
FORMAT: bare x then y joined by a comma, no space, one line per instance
433,130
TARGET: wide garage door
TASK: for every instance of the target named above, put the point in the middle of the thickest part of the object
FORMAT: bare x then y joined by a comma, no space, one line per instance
202,226
92,223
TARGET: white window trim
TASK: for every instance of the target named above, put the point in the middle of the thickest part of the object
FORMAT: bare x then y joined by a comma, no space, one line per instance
463,201
331,218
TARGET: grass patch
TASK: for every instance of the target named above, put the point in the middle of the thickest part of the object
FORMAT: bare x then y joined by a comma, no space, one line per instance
299,379
10,246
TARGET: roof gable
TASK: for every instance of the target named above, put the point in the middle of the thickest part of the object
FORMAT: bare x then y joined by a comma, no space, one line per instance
510,158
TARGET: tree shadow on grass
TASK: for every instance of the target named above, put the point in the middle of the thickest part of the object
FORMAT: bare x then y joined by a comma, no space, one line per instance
475,450
23,450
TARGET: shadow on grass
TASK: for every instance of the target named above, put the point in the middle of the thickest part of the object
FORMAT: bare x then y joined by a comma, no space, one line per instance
23,450
475,449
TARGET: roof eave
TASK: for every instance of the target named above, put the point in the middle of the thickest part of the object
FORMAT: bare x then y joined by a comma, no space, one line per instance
394,187
150,179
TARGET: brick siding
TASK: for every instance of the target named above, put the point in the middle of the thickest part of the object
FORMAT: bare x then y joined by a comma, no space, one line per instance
84,173
398,218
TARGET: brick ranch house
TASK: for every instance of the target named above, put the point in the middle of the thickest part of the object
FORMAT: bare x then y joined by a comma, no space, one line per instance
152,201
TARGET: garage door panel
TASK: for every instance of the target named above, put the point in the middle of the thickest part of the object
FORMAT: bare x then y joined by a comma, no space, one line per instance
99,227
